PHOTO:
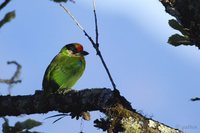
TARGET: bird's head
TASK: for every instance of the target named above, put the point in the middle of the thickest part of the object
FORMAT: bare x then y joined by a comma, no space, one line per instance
74,49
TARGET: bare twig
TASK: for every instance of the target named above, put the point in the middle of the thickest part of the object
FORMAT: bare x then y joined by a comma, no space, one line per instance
95,45
73,18
14,79
195,99
8,81
96,24
17,72
4,4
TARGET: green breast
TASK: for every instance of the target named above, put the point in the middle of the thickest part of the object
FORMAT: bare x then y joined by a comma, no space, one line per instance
63,72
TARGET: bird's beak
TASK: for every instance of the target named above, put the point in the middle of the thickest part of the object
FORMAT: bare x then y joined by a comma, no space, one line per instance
84,53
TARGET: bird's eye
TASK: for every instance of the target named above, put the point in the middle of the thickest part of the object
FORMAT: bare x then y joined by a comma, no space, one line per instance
73,49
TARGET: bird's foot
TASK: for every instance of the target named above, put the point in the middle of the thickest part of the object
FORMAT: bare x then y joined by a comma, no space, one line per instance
85,115
65,91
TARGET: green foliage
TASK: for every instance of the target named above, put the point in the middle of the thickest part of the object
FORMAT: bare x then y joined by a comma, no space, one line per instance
27,124
20,127
9,16
177,39
177,26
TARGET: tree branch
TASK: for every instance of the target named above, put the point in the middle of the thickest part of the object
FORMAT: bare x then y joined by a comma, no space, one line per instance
118,110
88,99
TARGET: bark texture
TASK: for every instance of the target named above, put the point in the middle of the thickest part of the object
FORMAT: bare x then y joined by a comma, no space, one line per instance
120,116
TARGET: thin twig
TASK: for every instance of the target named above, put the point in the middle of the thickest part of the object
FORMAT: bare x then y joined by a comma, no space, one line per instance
95,45
18,69
73,18
96,24
14,78
8,81
4,4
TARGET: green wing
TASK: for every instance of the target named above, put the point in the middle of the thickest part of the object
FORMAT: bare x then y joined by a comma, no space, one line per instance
47,83
63,72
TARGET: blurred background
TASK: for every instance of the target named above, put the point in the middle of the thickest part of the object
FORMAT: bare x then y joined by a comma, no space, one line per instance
157,78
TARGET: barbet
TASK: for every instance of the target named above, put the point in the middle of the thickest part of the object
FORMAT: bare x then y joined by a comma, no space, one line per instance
65,69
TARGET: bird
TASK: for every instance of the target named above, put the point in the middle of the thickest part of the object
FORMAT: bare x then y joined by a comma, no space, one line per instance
65,69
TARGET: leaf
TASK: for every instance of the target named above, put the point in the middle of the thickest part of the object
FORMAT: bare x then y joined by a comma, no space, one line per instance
7,18
177,26
5,125
177,40
27,124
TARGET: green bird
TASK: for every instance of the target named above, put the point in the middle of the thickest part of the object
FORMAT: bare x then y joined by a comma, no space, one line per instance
65,69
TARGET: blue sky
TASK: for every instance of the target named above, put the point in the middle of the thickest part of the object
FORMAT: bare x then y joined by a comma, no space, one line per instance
157,78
